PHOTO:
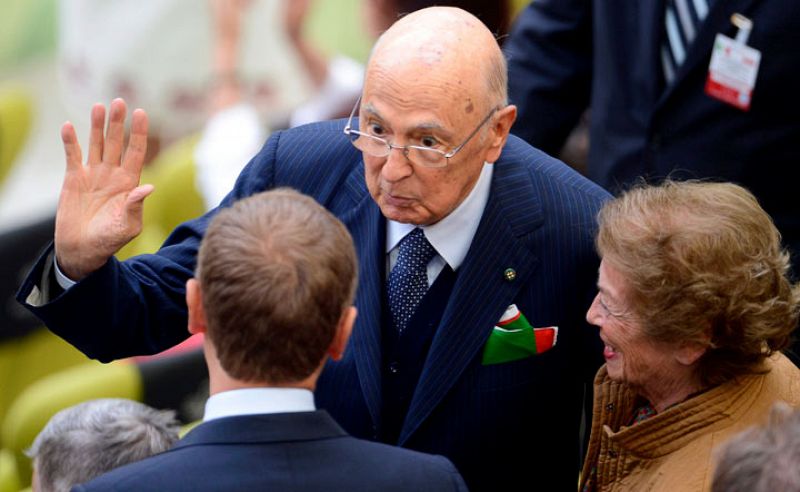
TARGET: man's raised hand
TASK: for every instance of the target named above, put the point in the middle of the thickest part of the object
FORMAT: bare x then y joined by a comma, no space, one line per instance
100,208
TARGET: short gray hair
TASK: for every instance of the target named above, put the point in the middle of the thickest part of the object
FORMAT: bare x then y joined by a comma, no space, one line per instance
497,78
91,438
762,459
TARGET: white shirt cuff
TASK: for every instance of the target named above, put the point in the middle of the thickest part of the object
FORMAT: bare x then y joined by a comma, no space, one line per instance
64,281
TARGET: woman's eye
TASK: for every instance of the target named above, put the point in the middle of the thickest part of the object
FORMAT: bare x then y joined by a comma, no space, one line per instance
429,142
604,305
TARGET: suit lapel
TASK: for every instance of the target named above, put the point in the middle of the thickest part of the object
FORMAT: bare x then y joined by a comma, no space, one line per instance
481,292
718,21
368,228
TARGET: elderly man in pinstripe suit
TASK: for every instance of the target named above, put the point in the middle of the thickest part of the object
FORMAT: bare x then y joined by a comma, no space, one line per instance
456,223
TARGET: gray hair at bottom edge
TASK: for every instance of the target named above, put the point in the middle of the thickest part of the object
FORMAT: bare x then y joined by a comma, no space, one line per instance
86,440
763,458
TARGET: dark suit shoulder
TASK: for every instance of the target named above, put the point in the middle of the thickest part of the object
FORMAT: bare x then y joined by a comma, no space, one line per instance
549,172
319,160
555,199
281,453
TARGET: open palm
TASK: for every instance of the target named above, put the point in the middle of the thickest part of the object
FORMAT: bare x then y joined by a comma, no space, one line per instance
100,208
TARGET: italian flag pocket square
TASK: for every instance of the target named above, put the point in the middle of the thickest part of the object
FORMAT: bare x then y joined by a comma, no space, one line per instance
513,338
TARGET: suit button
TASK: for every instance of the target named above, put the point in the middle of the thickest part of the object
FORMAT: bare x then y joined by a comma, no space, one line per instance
394,367
610,407
612,453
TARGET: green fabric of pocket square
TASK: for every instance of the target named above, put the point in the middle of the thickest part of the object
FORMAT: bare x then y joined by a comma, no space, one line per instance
510,340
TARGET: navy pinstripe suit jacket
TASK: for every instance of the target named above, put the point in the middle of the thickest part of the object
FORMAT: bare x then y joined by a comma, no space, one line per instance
504,426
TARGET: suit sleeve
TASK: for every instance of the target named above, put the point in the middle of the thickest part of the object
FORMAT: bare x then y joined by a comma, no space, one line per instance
136,306
549,66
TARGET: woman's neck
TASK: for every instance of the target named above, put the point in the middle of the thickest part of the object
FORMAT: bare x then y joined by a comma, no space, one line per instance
667,392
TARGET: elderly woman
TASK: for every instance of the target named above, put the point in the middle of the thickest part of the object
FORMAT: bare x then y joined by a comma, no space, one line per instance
694,306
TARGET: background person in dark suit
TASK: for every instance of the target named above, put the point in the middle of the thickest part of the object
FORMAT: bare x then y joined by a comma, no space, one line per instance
430,156
276,275
650,114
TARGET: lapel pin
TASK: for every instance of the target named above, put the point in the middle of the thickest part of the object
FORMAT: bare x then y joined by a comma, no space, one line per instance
510,274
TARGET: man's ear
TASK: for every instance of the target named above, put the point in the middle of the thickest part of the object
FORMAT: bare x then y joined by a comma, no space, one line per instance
501,126
194,303
343,331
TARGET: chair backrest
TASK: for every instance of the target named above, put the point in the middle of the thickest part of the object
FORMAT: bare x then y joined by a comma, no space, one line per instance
9,480
16,114
28,358
34,407
175,199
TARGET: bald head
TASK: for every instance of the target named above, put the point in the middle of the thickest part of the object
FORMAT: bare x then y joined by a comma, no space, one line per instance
447,45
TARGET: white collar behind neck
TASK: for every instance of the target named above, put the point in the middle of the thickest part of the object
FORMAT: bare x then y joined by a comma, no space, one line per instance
251,401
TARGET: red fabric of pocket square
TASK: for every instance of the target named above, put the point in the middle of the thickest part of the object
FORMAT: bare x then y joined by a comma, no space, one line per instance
545,338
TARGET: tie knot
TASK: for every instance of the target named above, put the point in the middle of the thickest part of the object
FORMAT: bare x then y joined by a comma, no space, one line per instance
415,250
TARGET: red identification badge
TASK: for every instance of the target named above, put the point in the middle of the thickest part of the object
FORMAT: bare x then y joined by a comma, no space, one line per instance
734,67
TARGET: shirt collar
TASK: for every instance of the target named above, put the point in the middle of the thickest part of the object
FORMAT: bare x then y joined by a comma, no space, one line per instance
451,236
251,401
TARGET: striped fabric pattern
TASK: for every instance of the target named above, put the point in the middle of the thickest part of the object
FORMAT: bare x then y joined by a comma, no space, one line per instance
682,20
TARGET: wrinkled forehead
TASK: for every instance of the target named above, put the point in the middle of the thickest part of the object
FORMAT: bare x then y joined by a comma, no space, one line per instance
427,73
414,97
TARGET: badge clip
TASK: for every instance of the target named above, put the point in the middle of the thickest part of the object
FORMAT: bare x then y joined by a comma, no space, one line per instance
744,24
734,66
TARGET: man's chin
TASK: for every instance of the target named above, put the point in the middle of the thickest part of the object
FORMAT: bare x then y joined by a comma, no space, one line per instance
404,215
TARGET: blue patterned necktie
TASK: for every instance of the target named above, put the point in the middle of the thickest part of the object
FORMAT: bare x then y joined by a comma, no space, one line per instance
408,280
682,21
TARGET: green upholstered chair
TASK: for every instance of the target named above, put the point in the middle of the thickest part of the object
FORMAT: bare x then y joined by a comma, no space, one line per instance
174,200
47,373
26,359
187,427
23,361
174,379
31,411
16,114
9,479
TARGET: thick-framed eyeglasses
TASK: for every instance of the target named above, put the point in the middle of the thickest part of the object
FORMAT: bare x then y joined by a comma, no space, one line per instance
418,154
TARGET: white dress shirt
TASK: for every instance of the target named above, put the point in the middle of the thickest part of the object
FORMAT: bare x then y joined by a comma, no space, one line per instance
255,401
452,236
